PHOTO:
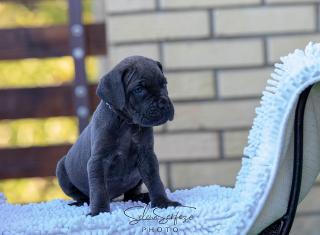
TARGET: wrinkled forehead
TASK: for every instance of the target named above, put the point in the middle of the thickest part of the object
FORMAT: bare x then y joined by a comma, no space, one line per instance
148,76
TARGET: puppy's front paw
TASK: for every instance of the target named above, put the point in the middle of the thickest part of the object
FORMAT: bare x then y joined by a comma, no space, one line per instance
142,197
77,203
94,214
97,212
164,203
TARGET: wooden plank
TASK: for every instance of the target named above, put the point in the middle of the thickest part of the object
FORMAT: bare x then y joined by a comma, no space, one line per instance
30,162
41,102
51,41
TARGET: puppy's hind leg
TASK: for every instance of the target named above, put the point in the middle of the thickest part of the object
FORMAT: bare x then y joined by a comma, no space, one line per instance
135,194
67,187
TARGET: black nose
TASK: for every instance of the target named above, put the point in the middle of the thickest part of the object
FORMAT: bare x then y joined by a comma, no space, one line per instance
162,103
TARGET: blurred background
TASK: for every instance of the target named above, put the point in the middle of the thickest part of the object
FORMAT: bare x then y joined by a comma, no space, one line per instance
217,56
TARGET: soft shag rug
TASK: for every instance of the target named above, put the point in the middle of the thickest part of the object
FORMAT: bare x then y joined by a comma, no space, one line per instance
206,210
262,188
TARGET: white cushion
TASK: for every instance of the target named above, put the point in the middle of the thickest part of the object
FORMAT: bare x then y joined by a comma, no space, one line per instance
262,188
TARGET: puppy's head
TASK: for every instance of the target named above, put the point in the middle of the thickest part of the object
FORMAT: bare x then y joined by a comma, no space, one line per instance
137,87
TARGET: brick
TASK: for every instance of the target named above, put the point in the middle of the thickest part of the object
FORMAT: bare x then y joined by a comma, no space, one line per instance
173,4
318,179
234,143
98,11
237,83
158,26
311,202
118,53
210,53
216,115
306,225
186,146
282,46
187,175
190,85
264,20
158,129
129,5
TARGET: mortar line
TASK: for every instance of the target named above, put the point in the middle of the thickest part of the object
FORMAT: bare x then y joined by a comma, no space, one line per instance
221,145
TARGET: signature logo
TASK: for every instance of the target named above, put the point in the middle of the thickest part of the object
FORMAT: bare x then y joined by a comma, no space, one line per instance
153,214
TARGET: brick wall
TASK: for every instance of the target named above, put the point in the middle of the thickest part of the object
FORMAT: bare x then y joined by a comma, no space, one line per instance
217,56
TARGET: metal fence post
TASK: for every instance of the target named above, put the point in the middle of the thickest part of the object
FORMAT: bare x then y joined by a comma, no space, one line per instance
77,43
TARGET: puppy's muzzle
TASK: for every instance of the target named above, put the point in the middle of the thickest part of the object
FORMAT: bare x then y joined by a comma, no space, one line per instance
163,104
166,107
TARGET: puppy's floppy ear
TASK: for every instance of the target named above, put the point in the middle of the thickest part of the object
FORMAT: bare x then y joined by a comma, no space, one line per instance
159,65
110,88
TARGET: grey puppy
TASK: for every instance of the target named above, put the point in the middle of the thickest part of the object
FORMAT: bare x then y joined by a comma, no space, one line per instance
114,154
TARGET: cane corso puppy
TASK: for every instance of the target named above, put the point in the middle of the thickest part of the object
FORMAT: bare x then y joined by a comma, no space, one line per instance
114,154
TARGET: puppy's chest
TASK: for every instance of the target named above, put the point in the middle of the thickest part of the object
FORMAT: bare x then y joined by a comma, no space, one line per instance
125,162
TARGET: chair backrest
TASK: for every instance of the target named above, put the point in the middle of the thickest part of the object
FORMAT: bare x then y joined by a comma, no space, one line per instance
266,175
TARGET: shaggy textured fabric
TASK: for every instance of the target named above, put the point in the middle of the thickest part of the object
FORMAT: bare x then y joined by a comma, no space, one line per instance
262,186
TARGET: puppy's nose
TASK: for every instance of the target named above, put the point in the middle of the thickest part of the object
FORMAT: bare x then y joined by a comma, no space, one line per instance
162,103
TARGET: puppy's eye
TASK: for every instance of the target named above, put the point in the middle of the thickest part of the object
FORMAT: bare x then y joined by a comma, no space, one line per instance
138,90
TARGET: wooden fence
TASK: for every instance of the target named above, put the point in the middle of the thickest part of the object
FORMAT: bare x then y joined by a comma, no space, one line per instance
77,99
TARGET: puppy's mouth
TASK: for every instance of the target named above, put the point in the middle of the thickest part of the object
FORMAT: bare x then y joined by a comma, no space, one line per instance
155,116
145,121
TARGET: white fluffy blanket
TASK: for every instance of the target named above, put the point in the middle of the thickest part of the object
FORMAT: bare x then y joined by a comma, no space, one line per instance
262,187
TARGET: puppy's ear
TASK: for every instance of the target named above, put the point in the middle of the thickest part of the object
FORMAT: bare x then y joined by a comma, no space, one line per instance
159,65
111,90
